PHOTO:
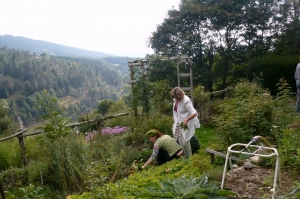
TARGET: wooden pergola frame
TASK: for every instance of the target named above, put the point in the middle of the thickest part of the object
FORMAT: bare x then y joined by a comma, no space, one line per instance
178,59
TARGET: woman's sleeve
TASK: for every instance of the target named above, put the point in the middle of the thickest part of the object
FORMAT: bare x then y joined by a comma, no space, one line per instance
189,107
155,151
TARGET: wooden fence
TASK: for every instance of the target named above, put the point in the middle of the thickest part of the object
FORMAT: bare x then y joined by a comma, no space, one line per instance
21,132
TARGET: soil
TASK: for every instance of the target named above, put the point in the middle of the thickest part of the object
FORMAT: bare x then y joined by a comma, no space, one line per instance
257,183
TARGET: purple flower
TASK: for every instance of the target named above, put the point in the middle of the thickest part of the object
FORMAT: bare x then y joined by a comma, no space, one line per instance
107,131
113,131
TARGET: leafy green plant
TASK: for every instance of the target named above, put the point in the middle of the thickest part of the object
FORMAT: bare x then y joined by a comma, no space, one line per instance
14,177
158,121
144,154
133,185
284,106
184,187
246,114
32,192
184,127
65,156
289,150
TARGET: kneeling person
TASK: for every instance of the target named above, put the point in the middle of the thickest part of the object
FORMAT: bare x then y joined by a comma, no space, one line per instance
165,148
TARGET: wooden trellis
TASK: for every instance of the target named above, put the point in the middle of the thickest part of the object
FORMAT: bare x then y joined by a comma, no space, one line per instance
180,59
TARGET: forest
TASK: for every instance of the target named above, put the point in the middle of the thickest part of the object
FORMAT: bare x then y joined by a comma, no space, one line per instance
248,48
85,81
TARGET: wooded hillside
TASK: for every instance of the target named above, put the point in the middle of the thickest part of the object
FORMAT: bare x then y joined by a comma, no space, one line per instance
80,83
40,47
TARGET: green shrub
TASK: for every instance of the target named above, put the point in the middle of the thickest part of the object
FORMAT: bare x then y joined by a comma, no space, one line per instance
159,121
36,170
14,177
32,191
247,114
117,108
185,187
113,154
126,188
216,173
289,150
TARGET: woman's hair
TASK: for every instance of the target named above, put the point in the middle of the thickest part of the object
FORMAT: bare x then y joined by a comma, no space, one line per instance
154,132
177,92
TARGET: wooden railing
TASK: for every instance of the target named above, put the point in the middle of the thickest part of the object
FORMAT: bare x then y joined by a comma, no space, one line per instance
21,132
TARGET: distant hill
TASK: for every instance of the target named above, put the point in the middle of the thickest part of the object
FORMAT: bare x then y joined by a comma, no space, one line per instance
40,47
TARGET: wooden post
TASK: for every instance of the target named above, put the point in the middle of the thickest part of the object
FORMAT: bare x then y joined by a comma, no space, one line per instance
2,191
99,127
21,143
42,180
22,150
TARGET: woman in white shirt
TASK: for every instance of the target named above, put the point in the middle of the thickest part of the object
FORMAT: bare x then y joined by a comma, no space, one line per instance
185,119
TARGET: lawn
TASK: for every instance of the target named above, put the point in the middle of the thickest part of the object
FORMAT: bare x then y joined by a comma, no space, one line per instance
206,136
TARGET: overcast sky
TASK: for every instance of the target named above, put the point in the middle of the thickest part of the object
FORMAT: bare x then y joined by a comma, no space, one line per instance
118,27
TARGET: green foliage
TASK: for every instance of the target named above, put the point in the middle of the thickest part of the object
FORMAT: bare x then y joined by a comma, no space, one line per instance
246,114
14,177
284,105
185,187
144,154
65,156
184,127
7,125
113,156
98,174
136,183
36,169
216,173
104,106
88,127
158,121
200,95
289,150
160,101
32,192
273,68
66,163
55,125
203,103
9,155
207,136
117,107
84,81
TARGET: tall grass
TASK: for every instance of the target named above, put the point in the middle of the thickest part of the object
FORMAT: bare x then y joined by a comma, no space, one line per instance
9,154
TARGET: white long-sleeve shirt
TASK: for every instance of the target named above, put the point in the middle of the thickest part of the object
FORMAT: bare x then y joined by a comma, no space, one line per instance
184,109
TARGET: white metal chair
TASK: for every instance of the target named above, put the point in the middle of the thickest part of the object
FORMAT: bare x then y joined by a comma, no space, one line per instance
247,151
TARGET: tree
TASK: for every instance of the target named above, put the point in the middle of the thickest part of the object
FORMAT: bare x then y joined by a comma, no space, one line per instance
7,124
104,106
235,30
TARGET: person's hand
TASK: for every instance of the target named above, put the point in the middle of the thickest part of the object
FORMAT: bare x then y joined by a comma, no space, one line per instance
185,121
136,165
184,126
